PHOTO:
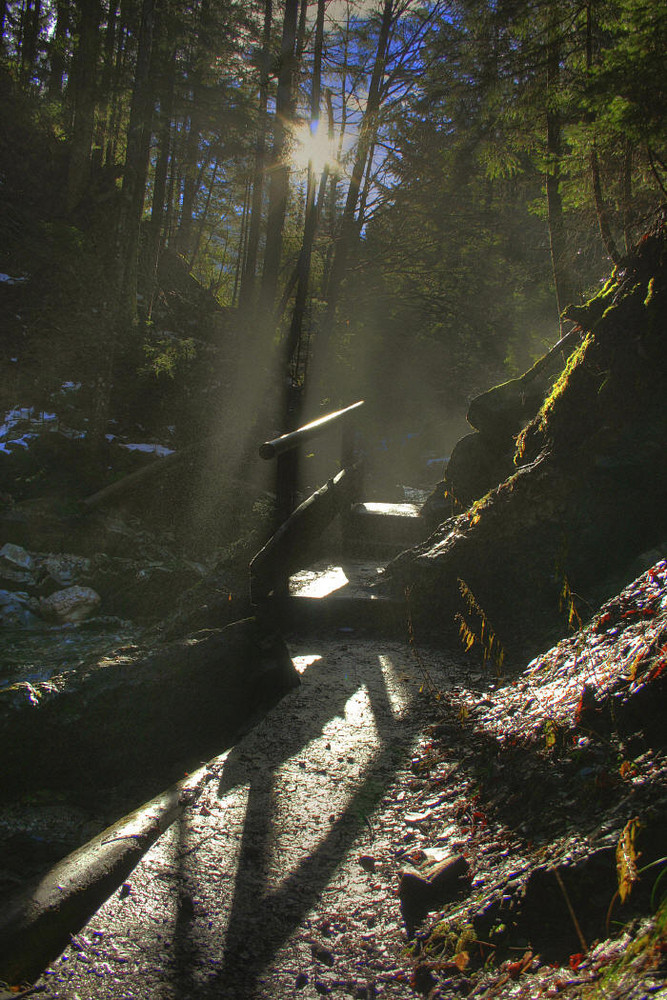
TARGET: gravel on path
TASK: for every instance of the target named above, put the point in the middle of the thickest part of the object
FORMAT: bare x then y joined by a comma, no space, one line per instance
266,886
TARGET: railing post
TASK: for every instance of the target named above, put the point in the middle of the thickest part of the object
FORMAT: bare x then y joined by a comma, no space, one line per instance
287,474
313,514
349,458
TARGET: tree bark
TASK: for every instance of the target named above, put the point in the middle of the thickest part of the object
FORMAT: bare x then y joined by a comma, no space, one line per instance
85,72
106,82
58,49
600,208
310,224
136,168
367,136
627,196
158,212
29,38
113,131
250,261
279,183
557,243
193,143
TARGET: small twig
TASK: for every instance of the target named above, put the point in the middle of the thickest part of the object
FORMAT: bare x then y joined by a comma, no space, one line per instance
610,910
31,990
577,926
125,836
195,847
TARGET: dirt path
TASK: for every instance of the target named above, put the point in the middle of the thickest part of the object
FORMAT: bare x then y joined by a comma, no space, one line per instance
318,857
277,879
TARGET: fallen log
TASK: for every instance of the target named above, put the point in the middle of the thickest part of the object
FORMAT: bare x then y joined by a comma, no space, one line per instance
38,922
136,479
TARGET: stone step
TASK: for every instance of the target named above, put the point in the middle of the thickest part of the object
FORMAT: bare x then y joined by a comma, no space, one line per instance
383,528
340,593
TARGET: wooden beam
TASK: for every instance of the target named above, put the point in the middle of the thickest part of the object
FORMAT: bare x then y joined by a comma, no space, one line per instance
279,445
291,547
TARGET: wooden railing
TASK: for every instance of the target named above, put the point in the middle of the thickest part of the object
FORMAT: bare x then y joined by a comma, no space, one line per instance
299,528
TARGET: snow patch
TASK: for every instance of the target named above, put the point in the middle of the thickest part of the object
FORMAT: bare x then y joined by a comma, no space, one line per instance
7,279
152,449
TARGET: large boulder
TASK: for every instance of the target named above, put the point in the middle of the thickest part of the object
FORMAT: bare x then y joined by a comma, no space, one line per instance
484,458
589,493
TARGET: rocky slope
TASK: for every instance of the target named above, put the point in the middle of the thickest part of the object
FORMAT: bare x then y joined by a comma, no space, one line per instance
589,493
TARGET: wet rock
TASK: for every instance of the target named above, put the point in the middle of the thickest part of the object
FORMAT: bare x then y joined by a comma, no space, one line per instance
73,604
18,609
322,954
141,590
16,565
430,887
16,557
66,569
476,466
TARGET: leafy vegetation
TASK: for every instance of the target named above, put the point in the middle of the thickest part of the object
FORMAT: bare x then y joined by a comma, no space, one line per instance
482,163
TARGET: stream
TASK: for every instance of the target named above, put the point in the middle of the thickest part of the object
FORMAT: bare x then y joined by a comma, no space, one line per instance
39,653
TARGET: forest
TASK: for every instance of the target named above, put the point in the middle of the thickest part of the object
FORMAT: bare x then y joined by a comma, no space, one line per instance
348,185
221,220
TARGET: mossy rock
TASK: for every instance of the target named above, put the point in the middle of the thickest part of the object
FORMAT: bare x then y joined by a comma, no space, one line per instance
591,492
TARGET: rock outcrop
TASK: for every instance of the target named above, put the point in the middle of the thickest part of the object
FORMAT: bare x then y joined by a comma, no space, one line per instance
589,493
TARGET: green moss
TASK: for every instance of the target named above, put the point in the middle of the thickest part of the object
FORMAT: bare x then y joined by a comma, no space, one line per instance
650,292
545,412
642,955
575,359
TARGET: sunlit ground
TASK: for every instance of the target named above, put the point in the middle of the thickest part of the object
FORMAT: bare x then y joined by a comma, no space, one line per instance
318,583
270,835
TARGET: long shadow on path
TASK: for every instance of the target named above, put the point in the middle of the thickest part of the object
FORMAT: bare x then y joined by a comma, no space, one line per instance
271,896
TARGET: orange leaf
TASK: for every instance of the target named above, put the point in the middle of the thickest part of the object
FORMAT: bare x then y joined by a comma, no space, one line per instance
626,858
461,960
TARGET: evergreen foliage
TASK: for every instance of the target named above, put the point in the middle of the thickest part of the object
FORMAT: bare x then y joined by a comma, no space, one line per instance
485,161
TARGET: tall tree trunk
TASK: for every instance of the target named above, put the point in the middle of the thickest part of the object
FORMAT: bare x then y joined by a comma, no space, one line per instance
31,25
136,169
172,187
58,49
85,74
128,229
557,243
250,258
3,23
116,110
279,182
627,196
301,32
196,244
106,80
368,133
310,225
192,148
157,227
243,240
600,208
